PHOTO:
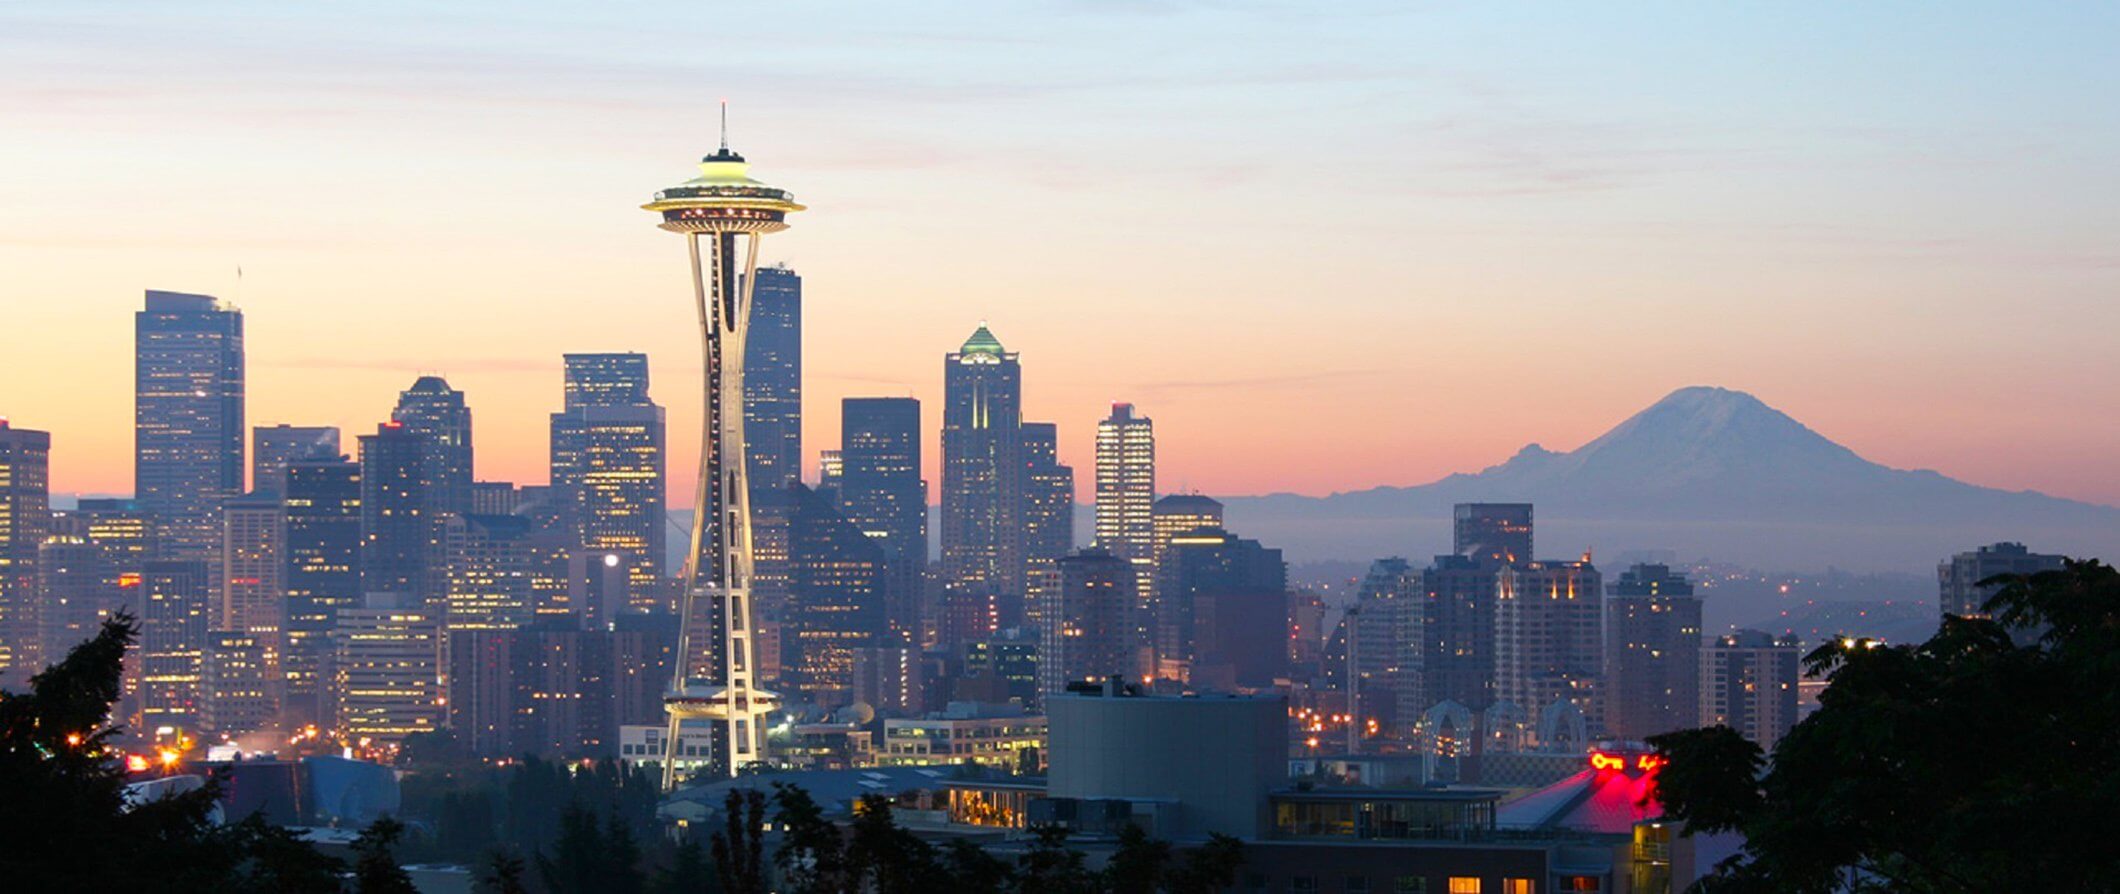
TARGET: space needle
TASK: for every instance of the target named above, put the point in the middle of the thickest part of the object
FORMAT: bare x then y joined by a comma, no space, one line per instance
722,213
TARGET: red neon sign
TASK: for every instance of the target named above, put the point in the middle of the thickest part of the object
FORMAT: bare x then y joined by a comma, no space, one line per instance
1640,763
1602,761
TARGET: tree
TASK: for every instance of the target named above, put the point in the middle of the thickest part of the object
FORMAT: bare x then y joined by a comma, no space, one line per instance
811,857
1974,761
739,850
1208,868
688,872
1048,866
276,861
55,754
1138,865
503,875
885,859
375,869
974,871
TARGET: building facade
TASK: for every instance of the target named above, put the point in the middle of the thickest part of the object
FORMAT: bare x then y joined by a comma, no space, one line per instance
836,588
1126,486
187,417
25,521
983,521
608,461
1548,636
772,380
879,490
1748,683
1959,576
1652,653
1090,633
274,447
322,576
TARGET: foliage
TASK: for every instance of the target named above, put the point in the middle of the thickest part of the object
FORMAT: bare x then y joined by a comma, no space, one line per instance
592,857
65,824
811,858
1048,866
503,875
1975,761
375,867
739,849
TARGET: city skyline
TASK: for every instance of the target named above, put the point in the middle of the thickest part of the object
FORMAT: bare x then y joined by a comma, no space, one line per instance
1475,202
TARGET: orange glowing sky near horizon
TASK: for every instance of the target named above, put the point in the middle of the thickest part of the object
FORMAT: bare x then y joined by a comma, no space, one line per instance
1324,251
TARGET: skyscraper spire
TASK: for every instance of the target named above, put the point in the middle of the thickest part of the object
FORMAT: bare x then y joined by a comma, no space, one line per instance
725,126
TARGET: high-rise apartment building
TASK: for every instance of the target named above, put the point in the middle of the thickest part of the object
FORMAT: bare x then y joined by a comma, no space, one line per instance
1548,636
253,597
187,417
438,414
983,483
386,669
1652,653
1748,683
176,601
1382,644
399,524
1959,576
273,448
323,575
25,520
836,591
1090,632
879,490
1498,533
772,380
608,445
74,594
1126,486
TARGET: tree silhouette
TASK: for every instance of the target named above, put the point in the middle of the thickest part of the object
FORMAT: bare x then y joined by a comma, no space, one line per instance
739,850
503,875
1974,761
375,868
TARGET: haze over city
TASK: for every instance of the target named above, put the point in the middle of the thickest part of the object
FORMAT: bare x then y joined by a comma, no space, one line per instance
1327,249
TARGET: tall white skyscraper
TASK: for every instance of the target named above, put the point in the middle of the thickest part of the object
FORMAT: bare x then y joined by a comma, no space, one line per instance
1126,486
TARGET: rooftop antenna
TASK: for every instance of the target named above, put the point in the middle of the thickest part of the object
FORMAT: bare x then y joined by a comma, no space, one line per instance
724,126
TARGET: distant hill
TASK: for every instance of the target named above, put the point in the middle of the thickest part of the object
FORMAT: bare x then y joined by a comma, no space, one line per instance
1708,472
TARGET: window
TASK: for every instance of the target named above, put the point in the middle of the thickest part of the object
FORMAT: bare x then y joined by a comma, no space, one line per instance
1303,884
1464,884
1409,884
1516,886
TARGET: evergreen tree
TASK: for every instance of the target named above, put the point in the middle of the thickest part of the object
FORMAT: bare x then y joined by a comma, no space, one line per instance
1138,865
739,849
503,875
688,872
375,868
811,857
1048,866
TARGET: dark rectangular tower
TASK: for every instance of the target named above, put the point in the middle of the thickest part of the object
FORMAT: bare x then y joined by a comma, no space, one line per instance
772,384
983,483
881,493
187,417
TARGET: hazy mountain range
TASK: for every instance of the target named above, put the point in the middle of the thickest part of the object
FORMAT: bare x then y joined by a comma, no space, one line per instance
1709,473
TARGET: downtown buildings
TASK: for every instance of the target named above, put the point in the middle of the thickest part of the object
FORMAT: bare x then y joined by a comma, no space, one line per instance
25,521
608,468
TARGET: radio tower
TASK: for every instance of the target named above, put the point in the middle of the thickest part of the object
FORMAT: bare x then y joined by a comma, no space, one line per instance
723,214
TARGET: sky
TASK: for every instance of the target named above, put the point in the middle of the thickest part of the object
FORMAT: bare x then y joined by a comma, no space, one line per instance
1326,247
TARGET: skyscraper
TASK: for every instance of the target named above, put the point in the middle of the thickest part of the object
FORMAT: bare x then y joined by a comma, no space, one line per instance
187,417
398,522
1126,486
1221,608
1748,683
1652,653
880,492
983,485
1492,532
1548,643
1180,514
772,380
274,448
1091,632
438,414
253,585
1959,576
239,684
74,594
608,458
176,597
1383,644
1048,498
733,213
836,591
323,575
25,520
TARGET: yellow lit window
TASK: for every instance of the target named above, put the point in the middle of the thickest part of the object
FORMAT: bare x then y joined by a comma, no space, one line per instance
1516,886
1460,884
